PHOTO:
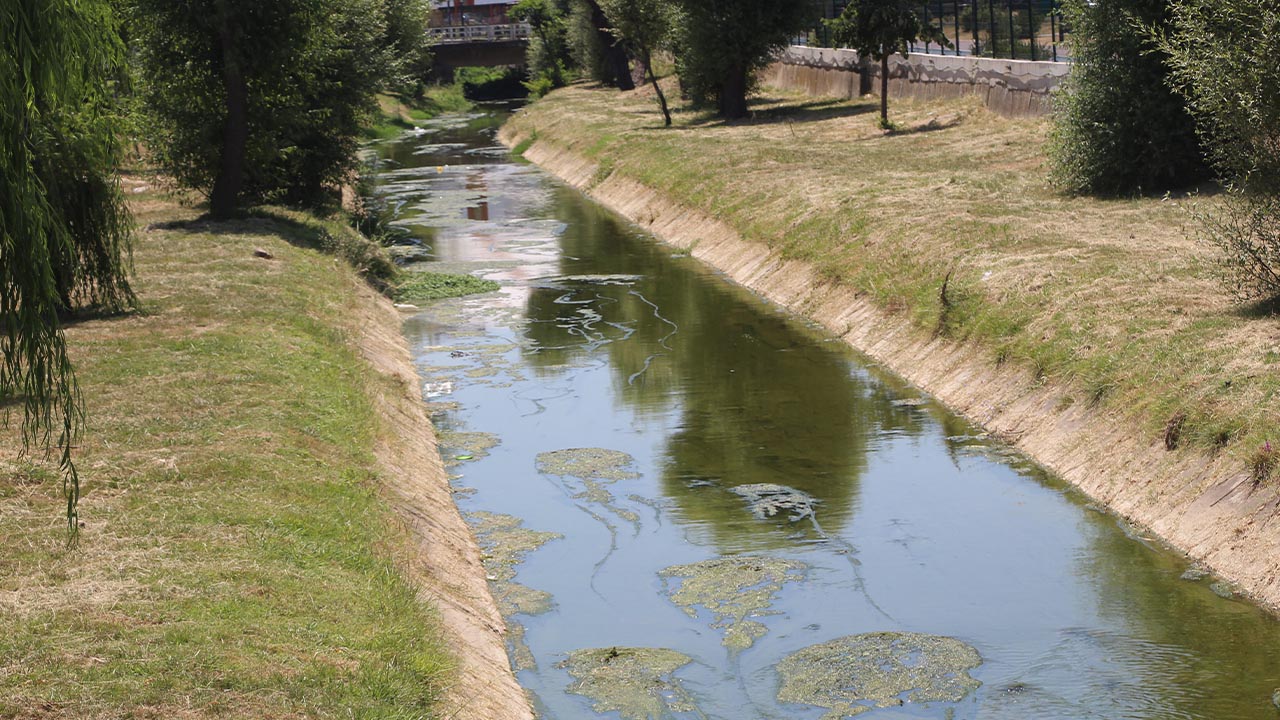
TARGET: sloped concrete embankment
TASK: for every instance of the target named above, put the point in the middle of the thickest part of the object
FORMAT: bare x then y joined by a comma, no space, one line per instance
447,566
1203,506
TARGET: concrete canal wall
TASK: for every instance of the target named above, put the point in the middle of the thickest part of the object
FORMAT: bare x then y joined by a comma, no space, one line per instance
1014,88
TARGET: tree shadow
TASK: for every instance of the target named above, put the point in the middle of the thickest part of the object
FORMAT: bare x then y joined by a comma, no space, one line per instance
80,316
811,111
1261,309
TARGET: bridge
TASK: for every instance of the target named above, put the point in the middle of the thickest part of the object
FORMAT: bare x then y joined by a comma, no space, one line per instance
456,46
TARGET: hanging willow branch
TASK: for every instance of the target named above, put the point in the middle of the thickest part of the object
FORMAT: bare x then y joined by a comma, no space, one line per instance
64,231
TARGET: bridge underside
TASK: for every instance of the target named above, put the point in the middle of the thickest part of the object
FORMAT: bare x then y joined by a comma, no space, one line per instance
451,56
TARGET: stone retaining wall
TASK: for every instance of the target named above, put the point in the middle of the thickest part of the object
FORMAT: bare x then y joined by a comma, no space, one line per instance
1016,88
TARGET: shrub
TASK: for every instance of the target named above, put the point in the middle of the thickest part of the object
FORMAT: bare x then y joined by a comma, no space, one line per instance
1119,127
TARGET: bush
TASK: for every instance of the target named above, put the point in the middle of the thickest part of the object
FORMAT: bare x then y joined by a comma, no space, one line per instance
1119,128
1225,56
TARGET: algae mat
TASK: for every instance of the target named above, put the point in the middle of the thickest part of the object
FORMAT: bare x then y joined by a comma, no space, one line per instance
858,673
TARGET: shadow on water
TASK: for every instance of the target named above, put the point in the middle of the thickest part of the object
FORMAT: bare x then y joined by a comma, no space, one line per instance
696,346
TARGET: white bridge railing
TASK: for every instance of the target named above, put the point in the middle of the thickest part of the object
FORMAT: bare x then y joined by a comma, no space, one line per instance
478,33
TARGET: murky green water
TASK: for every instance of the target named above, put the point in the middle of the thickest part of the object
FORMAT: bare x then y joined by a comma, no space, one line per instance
695,472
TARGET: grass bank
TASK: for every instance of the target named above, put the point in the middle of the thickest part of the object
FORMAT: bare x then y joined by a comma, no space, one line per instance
237,558
397,113
950,223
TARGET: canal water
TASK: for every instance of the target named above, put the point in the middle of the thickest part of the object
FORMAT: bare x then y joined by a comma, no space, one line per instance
695,505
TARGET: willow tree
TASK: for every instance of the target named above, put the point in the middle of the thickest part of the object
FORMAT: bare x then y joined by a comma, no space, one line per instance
1119,128
64,230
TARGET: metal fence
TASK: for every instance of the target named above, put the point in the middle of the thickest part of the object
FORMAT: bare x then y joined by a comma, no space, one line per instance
454,34
1014,29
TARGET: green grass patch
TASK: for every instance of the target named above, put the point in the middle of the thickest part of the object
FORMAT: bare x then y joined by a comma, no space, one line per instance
419,286
397,113
237,558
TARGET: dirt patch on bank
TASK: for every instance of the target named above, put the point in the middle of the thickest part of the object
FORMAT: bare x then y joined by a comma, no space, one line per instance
1204,506
447,567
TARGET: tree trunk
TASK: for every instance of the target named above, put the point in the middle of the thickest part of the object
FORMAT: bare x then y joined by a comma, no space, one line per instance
616,61
227,188
647,60
884,91
733,94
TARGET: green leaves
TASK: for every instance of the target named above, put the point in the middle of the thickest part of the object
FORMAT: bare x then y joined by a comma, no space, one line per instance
881,28
64,230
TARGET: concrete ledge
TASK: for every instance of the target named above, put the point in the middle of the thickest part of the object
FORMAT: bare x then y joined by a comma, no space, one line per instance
1017,88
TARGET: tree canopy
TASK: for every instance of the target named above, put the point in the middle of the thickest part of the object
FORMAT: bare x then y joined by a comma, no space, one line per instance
252,102
721,45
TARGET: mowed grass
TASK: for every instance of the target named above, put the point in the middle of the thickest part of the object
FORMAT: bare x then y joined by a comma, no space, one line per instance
236,559
1116,299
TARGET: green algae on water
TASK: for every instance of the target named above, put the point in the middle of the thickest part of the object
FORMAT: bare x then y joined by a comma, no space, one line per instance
595,468
504,544
457,447
418,286
768,500
637,683
734,589
588,464
857,673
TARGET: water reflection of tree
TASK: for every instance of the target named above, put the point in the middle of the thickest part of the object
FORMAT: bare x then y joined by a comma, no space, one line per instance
1191,653
761,400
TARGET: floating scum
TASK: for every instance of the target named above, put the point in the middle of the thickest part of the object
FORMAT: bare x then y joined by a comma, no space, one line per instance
734,589
637,683
857,673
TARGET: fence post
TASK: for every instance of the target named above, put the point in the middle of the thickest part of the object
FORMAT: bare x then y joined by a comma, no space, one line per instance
991,20
956,6
1013,49
1031,26
1053,27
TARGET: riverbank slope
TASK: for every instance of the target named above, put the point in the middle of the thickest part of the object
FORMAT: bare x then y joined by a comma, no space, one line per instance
268,531
1091,334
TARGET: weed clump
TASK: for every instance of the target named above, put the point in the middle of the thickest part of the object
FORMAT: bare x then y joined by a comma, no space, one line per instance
1263,463
858,673
637,683
437,286
733,589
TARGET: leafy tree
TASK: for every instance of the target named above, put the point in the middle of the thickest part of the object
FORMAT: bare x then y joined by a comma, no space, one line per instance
1119,127
264,101
879,29
410,53
64,231
722,45
596,48
1225,56
548,53
644,26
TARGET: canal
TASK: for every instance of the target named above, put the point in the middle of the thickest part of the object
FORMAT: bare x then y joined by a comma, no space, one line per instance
695,505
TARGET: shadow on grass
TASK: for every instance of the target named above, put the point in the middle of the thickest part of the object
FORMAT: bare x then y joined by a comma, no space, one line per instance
811,111
1261,309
